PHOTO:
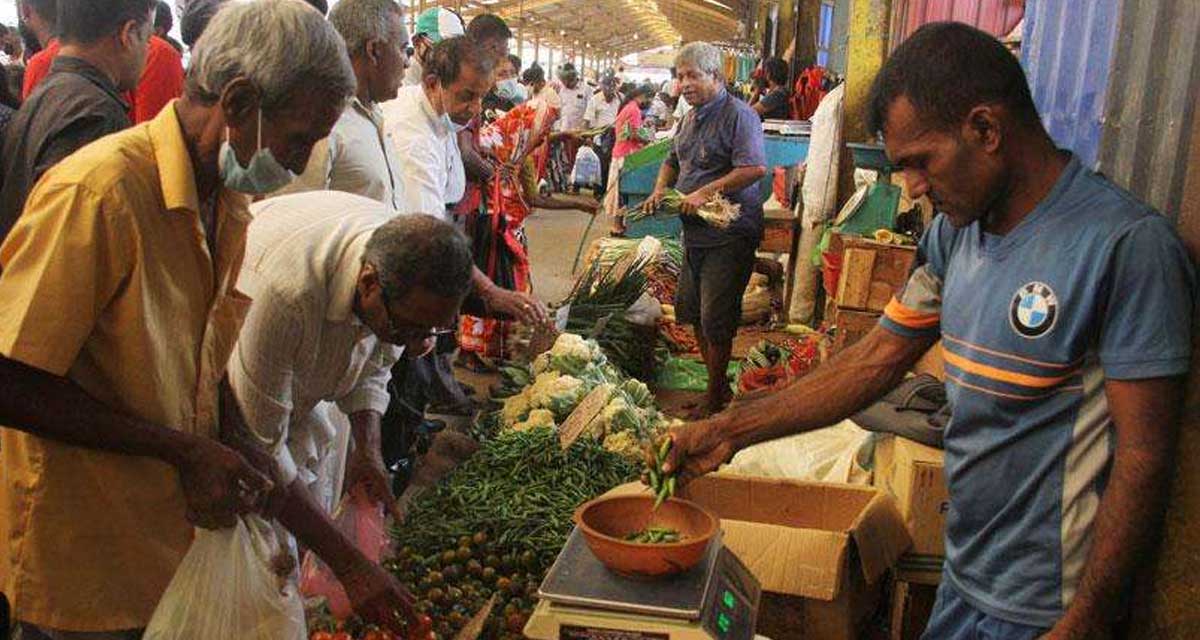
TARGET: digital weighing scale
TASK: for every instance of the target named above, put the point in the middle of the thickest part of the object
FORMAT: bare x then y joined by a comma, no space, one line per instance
581,599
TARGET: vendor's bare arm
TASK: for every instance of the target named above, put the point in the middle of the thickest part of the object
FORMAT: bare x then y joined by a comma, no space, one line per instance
849,382
1129,518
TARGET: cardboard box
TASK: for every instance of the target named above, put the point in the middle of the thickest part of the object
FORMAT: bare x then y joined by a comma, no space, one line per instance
914,474
872,272
820,551
852,326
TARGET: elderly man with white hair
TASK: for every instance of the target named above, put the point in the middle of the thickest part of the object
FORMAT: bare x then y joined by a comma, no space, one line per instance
118,314
359,156
718,150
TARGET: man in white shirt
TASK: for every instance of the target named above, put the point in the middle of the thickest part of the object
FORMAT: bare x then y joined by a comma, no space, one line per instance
605,104
341,290
433,26
423,122
575,96
358,156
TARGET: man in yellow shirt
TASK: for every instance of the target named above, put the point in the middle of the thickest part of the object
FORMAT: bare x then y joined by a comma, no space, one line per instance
117,317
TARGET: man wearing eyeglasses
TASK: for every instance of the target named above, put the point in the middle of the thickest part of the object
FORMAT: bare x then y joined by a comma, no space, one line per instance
341,291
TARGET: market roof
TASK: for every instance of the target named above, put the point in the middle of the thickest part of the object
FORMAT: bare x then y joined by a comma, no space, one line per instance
617,27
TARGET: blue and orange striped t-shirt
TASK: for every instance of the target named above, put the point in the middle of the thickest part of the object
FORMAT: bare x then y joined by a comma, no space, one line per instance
1091,285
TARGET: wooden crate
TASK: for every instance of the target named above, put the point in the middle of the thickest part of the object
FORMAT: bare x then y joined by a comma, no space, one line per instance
852,326
872,273
779,235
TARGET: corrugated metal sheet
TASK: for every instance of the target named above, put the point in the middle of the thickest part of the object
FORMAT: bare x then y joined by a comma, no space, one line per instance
997,17
1153,89
841,33
1066,49
1116,81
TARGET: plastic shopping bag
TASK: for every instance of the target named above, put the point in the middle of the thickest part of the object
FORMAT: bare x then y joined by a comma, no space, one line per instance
586,172
228,587
361,520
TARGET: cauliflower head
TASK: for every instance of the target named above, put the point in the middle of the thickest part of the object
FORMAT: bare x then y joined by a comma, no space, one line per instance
516,408
558,393
570,344
541,364
537,418
638,393
625,444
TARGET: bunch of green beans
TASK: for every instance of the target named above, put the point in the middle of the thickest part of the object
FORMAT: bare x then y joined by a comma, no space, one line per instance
521,488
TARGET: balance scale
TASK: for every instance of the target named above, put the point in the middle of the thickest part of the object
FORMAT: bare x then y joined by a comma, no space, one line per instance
581,599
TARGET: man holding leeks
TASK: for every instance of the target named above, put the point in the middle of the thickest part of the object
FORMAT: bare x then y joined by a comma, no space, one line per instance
717,154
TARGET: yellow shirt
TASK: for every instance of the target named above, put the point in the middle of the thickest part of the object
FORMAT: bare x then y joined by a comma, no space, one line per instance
107,279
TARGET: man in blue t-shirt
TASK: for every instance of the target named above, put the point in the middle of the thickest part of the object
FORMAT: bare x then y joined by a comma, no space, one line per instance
718,150
1064,309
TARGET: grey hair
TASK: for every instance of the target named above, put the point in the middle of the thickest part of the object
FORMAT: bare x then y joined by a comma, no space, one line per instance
420,250
278,45
361,21
703,56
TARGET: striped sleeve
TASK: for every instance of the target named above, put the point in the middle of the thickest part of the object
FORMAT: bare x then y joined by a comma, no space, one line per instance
916,311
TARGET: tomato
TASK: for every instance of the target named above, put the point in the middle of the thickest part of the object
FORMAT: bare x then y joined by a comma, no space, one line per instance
373,634
321,635
342,635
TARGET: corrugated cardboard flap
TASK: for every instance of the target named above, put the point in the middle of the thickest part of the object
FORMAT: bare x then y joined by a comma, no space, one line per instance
801,562
879,536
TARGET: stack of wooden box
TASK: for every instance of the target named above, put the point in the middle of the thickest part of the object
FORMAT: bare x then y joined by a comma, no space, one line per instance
871,273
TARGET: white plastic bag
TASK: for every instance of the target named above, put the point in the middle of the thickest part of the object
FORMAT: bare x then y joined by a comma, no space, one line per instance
586,172
228,587
645,311
823,455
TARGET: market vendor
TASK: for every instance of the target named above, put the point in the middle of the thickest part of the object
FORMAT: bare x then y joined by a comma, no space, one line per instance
341,289
1064,308
718,151
358,157
118,312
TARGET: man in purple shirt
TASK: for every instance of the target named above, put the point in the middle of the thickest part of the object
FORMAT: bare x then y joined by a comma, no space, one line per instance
718,150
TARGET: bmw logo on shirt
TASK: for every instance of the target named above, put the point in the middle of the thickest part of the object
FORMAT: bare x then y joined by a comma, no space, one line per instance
1034,310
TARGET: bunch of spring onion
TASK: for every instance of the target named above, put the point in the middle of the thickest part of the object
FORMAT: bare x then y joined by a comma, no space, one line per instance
718,212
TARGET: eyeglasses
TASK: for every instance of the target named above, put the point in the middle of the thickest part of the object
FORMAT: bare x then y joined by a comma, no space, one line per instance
405,335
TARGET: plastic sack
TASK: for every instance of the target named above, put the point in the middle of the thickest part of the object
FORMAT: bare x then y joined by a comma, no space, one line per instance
645,311
823,455
227,586
361,521
586,171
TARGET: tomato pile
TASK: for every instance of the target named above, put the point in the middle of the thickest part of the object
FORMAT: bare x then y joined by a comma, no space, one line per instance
457,583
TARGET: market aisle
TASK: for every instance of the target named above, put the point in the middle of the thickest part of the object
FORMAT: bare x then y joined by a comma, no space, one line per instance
553,239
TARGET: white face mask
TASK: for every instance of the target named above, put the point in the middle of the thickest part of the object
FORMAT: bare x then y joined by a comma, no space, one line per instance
509,89
454,126
264,174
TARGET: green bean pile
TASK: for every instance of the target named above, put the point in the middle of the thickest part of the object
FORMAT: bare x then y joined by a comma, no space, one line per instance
654,535
520,488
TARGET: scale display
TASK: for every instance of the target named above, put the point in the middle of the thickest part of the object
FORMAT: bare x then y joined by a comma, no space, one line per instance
583,600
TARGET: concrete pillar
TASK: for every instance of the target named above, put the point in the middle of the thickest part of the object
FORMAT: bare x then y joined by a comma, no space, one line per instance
866,49
870,22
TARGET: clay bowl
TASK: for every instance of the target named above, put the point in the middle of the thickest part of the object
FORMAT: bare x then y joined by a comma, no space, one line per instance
606,521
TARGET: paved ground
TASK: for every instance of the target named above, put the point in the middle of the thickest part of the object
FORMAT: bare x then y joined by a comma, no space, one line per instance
554,237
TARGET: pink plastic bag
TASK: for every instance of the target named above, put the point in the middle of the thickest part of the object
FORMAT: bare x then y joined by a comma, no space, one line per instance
361,520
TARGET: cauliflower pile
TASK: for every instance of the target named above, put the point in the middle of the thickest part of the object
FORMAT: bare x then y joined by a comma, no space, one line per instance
563,376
